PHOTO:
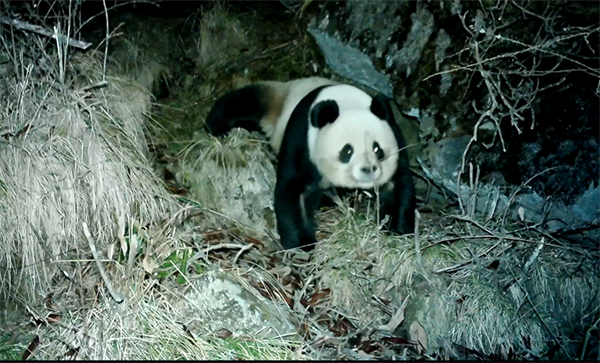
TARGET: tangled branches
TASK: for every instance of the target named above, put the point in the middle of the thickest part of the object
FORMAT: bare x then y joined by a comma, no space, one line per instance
520,49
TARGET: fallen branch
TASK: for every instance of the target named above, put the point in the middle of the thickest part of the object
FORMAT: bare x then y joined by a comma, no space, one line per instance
43,31
243,248
115,295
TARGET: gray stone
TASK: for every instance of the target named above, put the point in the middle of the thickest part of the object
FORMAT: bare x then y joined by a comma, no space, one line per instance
408,57
445,158
587,207
351,63
217,301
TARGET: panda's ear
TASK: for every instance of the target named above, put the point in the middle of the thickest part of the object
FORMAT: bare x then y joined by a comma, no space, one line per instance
381,108
323,113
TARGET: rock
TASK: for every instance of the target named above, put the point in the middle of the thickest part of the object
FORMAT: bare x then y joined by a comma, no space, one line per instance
350,63
406,60
217,301
445,159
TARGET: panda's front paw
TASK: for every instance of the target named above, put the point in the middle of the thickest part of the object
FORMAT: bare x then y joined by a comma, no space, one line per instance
399,225
307,243
404,226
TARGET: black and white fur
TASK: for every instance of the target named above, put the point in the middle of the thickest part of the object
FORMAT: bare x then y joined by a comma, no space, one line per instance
326,135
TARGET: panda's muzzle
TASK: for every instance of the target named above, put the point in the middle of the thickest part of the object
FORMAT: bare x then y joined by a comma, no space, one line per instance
369,170
366,175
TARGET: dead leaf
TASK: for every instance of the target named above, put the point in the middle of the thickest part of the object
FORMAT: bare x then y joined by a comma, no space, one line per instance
281,271
418,334
53,318
223,333
396,319
314,299
111,251
341,327
216,237
397,341
253,241
521,212
269,292
121,233
148,264
31,348
297,280
275,260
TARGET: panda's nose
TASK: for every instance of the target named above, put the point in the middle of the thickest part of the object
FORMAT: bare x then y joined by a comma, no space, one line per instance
369,169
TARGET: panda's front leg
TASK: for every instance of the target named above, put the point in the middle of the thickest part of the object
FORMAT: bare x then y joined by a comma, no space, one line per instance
295,205
397,199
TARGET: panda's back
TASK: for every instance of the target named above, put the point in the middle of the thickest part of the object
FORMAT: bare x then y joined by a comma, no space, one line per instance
283,99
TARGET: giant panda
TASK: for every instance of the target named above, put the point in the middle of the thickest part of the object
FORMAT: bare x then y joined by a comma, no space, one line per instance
327,135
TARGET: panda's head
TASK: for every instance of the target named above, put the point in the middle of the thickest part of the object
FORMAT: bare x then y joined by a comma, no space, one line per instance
350,139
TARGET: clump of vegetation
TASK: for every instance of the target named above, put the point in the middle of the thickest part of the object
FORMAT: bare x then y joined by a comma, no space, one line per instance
111,249
86,218
70,154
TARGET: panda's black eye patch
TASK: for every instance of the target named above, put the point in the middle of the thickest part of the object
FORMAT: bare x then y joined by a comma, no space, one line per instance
323,113
346,153
378,151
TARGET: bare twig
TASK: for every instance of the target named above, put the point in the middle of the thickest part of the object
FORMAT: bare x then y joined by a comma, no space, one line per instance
227,246
106,43
115,295
512,197
417,242
529,48
507,238
124,3
458,266
45,32
588,333
512,82
242,250
534,256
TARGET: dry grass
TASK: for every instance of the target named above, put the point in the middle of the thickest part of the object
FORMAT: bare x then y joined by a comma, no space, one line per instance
492,310
148,325
67,158
230,178
149,53
499,291
233,177
221,37
72,157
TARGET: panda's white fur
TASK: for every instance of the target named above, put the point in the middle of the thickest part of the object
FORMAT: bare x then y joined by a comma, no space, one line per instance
283,98
360,128
356,125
